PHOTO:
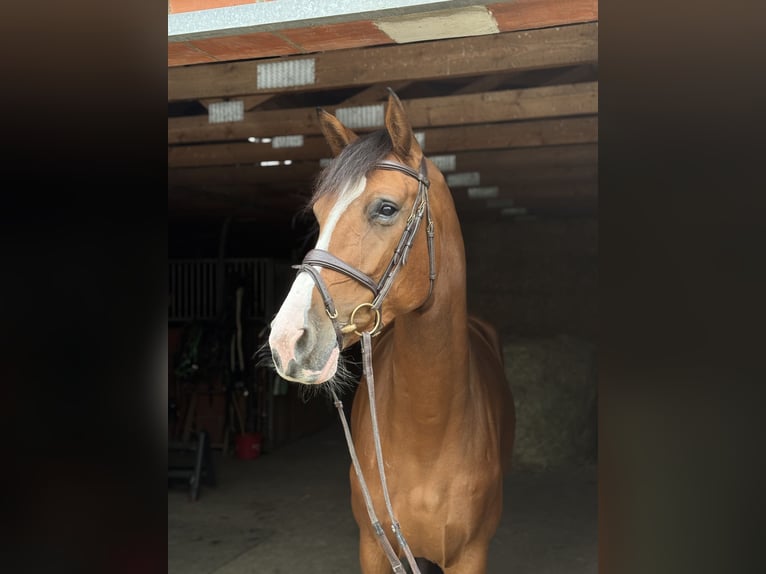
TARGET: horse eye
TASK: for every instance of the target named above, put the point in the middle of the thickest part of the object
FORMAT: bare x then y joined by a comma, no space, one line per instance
386,209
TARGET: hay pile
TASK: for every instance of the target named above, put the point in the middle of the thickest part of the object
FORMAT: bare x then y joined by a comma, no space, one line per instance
554,386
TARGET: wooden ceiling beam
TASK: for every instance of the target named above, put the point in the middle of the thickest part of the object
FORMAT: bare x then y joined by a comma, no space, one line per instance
512,135
304,176
248,154
526,158
374,93
580,130
550,176
572,75
484,107
482,84
249,102
542,48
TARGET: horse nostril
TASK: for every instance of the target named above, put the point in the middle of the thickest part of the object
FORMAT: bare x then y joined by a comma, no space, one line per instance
290,346
304,340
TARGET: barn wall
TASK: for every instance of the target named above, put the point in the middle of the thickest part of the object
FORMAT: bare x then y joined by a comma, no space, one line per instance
536,282
534,278
243,239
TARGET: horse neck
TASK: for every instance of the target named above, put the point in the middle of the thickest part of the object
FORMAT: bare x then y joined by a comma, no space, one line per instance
430,345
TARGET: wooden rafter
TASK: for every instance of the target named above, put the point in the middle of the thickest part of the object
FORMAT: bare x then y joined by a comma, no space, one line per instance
437,140
548,47
374,93
500,106
250,102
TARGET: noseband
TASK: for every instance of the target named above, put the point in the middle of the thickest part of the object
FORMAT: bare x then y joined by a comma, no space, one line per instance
321,258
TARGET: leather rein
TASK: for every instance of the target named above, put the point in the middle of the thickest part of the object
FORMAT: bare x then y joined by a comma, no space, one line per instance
317,258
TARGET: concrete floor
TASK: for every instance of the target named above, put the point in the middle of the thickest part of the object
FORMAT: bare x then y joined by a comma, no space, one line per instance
289,512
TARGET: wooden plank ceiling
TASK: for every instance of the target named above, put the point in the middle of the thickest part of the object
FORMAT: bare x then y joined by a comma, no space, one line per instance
514,109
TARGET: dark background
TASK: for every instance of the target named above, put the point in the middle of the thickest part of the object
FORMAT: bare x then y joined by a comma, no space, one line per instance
679,267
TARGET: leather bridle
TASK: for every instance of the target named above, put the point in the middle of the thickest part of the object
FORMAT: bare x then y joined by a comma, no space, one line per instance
321,258
318,258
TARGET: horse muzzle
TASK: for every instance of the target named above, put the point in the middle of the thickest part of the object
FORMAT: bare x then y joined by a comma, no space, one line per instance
303,343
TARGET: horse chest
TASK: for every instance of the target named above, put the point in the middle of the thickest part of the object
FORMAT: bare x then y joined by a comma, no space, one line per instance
434,492
441,512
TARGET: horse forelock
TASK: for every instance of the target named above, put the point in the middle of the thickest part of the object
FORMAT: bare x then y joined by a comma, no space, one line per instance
352,164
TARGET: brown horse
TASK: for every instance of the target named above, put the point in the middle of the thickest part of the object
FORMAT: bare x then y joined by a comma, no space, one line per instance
445,409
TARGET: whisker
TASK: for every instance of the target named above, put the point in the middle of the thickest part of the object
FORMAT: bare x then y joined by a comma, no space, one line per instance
345,379
262,357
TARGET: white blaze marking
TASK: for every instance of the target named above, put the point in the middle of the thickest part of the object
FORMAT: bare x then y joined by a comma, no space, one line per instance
292,316
347,196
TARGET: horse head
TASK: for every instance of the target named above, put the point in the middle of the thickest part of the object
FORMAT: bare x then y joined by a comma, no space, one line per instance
372,261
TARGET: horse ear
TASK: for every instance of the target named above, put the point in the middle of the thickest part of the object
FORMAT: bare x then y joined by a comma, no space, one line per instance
337,135
398,126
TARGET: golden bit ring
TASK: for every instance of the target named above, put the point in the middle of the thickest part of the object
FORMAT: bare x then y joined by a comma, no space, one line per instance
352,323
